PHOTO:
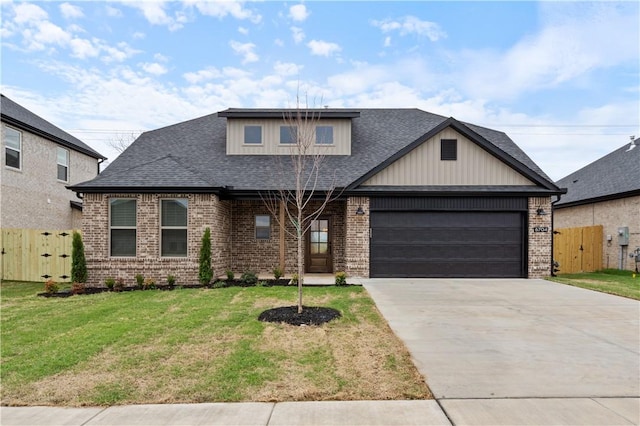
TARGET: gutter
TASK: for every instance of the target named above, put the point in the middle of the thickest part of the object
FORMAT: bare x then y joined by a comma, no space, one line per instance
553,232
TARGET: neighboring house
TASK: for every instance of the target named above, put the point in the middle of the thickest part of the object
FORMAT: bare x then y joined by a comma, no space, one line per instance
39,160
606,192
420,195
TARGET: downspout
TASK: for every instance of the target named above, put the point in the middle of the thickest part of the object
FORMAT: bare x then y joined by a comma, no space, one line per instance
553,232
100,161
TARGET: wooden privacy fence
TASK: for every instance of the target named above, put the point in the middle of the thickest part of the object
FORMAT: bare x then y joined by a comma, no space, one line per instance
578,249
36,255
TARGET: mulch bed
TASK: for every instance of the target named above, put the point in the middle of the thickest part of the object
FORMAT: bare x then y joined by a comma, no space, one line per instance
310,315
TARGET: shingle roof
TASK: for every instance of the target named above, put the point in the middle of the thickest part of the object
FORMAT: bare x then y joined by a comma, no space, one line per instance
200,146
615,175
18,116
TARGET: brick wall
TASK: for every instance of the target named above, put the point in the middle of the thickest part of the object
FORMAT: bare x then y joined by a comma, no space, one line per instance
611,215
357,237
33,197
204,210
539,250
261,256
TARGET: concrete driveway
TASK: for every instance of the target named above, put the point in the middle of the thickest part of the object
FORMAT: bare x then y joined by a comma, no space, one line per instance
510,351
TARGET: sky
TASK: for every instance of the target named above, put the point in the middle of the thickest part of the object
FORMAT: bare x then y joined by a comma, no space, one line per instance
562,79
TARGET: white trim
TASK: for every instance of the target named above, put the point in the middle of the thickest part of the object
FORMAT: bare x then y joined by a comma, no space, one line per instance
244,138
186,227
63,165
19,150
135,228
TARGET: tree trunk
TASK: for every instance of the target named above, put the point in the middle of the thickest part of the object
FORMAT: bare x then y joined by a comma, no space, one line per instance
300,265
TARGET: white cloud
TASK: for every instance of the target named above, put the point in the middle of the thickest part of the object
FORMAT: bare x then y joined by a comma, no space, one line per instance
160,57
27,13
563,51
278,42
387,41
203,75
323,48
81,48
154,12
246,50
286,69
154,68
221,9
113,12
70,11
243,30
297,34
411,25
138,35
299,12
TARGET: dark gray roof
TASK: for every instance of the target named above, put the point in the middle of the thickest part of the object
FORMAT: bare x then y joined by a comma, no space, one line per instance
20,117
615,175
199,145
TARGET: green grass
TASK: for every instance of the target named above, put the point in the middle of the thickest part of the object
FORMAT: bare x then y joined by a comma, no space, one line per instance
612,281
195,346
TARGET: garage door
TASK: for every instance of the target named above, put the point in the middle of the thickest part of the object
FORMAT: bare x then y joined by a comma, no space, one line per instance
447,244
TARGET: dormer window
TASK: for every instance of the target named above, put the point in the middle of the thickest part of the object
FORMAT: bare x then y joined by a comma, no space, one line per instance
288,135
253,135
324,135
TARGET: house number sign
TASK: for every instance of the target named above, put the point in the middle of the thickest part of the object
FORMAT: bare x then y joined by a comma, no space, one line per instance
540,229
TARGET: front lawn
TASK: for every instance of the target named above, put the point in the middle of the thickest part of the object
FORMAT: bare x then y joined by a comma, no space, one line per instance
613,281
200,345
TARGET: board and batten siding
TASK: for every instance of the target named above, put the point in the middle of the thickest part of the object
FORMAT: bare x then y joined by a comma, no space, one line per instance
271,137
422,166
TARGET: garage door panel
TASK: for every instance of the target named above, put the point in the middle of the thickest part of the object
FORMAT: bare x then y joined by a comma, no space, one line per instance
447,244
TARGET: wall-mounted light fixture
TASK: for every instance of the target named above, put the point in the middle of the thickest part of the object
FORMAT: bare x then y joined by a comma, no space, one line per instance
360,211
541,212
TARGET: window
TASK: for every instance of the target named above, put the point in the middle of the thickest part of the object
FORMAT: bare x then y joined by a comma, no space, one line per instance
173,238
263,227
324,135
63,164
253,135
122,220
448,149
12,147
288,134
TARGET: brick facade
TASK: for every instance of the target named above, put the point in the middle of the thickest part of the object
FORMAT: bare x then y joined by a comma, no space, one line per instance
204,210
357,237
235,247
539,250
611,215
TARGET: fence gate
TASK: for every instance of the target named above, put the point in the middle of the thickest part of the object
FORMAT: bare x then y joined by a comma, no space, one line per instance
578,249
36,255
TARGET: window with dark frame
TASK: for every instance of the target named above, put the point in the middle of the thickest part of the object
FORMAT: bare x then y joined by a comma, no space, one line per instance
63,164
324,135
288,135
448,149
173,227
13,148
253,135
263,227
122,224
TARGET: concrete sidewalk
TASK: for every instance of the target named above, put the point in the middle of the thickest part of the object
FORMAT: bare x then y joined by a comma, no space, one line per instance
357,413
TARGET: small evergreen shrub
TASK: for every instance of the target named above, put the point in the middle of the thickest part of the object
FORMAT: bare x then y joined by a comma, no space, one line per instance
277,272
230,275
50,286
294,279
205,272
219,284
110,283
171,280
78,260
341,278
249,278
139,280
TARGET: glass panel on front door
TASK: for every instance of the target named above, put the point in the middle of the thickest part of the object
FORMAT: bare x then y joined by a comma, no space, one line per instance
319,237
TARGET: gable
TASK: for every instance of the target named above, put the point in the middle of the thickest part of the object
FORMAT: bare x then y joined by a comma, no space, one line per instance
423,166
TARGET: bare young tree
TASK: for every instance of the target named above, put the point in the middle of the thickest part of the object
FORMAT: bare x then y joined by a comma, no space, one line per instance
121,141
299,192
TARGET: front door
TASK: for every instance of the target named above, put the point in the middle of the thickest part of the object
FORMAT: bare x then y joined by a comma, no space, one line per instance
319,247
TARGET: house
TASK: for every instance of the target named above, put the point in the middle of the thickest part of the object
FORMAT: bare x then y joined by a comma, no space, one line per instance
606,192
39,161
418,195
